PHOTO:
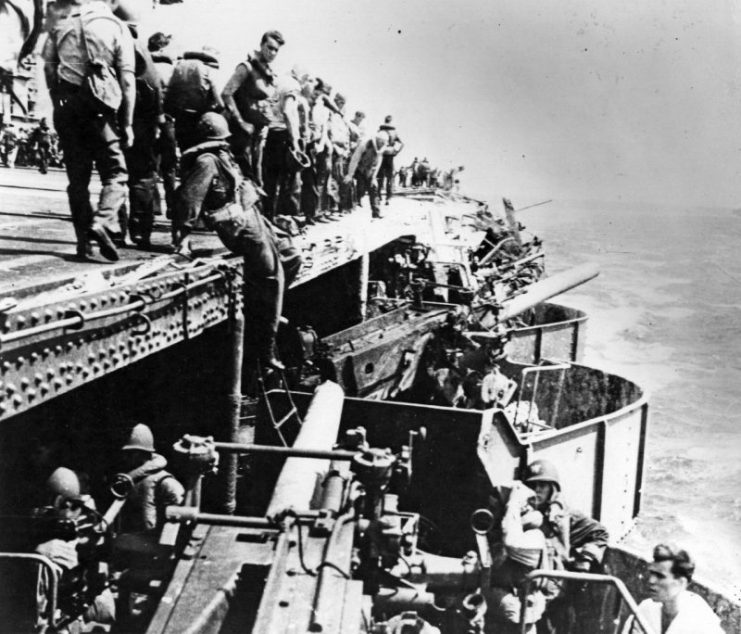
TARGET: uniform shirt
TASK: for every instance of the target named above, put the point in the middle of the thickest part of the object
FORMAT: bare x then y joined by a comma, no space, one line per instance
357,132
148,85
366,158
285,88
165,67
694,617
205,184
106,39
154,490
391,148
42,136
339,132
303,108
320,124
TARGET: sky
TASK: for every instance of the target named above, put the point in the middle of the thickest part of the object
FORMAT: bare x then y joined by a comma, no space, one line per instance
631,100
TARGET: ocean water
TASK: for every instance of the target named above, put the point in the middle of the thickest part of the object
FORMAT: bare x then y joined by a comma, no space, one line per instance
665,312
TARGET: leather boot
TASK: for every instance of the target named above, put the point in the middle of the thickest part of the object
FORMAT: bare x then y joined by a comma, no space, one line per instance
269,356
100,234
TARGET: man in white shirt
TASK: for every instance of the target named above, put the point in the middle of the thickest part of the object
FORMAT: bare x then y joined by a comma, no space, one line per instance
671,608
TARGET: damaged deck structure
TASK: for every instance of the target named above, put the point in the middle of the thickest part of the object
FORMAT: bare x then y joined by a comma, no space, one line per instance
61,331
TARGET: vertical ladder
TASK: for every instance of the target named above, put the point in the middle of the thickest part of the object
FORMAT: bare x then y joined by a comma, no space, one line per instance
292,411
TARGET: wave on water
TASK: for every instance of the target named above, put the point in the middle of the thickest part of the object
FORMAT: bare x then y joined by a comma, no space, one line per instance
664,313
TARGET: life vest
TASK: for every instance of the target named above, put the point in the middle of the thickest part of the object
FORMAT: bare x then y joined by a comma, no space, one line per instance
189,88
252,95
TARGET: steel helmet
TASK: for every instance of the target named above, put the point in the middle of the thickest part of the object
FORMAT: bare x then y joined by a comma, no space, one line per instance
212,127
64,482
542,471
141,438
127,11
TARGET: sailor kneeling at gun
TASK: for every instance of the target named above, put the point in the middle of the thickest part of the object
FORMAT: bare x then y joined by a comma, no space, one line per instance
81,597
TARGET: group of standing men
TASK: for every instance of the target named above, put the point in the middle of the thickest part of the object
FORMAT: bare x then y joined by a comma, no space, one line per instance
265,146
106,99
130,110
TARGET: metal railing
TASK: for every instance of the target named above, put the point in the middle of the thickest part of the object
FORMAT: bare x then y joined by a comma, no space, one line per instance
588,578
537,370
52,577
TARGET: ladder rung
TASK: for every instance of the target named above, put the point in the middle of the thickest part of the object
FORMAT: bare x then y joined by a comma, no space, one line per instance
286,418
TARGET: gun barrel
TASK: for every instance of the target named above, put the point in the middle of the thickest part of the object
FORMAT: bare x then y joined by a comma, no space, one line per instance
547,288
296,482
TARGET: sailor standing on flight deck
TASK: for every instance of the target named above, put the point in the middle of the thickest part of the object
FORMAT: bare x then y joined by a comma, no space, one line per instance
165,147
89,131
393,147
191,92
246,97
144,196
364,166
283,141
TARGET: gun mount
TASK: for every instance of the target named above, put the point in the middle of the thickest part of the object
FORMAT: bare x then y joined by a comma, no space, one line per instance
417,350
352,564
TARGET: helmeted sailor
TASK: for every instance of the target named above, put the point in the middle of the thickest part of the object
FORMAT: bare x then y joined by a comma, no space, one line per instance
517,550
574,542
68,503
155,488
213,185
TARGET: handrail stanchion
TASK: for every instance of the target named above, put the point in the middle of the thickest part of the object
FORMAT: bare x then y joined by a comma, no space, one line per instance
589,578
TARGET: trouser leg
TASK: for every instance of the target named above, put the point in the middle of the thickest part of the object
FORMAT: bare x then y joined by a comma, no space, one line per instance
322,175
241,146
344,189
143,192
309,193
288,199
386,176
273,158
369,185
111,165
43,159
78,163
372,186
264,289
166,149
279,178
